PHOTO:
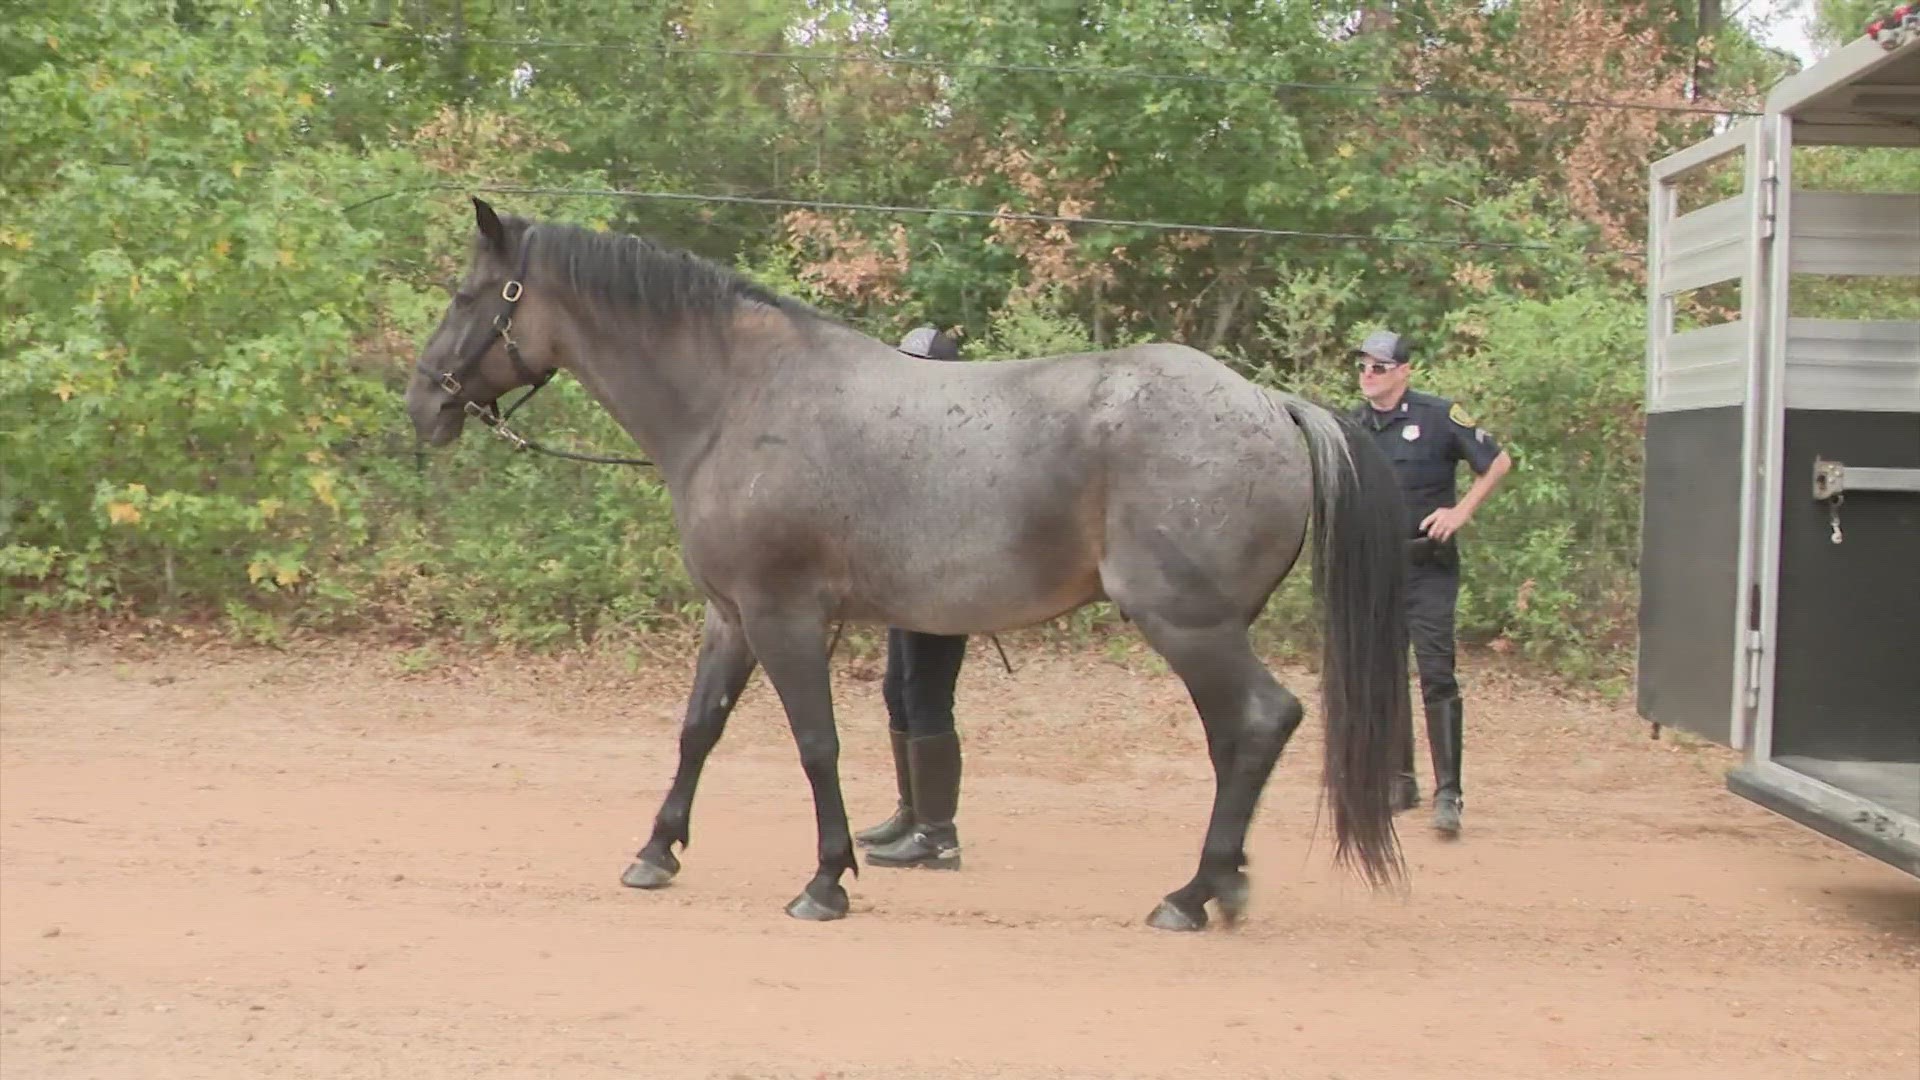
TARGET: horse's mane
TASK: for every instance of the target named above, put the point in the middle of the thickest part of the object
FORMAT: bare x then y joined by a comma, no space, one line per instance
623,269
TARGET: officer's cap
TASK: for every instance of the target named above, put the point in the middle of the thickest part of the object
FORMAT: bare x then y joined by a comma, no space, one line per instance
1383,345
925,341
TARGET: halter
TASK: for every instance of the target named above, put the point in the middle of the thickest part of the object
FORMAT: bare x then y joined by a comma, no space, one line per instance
489,414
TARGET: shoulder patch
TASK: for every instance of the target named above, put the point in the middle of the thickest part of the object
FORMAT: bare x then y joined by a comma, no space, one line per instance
1459,416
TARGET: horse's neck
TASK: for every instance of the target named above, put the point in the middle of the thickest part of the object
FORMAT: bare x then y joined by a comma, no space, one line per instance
664,385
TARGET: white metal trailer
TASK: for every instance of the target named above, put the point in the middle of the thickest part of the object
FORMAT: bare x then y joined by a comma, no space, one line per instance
1780,546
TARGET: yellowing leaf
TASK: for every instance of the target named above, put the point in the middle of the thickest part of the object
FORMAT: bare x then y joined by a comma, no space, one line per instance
221,247
1343,192
268,508
237,168
286,256
133,285
1345,150
142,68
137,489
316,457
322,485
64,391
304,100
122,513
53,43
287,576
256,570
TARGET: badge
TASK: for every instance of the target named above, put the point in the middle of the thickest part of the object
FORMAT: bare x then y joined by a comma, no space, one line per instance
1459,416
1410,432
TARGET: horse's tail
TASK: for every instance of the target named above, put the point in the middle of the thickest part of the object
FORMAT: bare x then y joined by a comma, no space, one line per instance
1359,580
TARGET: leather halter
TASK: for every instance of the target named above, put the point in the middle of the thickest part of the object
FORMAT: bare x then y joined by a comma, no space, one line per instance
453,380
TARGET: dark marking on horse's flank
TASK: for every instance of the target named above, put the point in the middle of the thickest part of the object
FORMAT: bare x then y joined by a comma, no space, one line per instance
1195,601
768,440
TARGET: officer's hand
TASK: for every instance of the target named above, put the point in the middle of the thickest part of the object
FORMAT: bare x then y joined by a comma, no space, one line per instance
1446,521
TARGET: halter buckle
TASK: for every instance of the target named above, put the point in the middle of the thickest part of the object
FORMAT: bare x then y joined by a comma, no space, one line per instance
510,292
450,384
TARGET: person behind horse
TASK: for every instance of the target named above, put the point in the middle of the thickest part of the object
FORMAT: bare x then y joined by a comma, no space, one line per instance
1426,436
918,688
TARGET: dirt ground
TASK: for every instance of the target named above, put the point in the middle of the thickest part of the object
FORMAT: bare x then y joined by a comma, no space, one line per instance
363,863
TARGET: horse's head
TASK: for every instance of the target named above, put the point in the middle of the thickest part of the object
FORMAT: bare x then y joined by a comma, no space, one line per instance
495,335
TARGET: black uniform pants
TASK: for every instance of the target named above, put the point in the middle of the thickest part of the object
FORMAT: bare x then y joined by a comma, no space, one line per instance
1432,590
918,686
1433,586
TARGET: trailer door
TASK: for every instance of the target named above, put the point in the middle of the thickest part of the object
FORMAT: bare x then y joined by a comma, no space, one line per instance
1702,449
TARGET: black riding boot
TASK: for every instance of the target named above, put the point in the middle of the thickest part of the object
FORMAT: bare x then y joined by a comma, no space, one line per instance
1444,733
1406,786
934,843
901,823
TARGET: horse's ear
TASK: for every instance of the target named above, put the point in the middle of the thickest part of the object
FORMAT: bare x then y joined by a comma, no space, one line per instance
489,224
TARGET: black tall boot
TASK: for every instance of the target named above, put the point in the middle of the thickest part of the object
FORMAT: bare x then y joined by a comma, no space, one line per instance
933,843
1444,734
901,823
1406,786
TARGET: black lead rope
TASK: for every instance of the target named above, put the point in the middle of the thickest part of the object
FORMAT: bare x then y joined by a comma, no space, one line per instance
835,643
497,421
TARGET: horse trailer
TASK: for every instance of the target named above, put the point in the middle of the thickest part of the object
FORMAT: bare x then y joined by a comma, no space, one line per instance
1780,545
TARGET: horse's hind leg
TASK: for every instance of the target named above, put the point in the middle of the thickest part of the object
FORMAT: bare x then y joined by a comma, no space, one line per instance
1248,718
722,671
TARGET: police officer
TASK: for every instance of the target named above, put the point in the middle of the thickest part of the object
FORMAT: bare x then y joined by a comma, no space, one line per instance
1426,436
918,688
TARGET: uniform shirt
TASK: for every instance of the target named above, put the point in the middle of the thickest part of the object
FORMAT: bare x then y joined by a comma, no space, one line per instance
1424,436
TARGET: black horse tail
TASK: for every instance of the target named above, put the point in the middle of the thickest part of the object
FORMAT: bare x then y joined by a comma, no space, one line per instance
1360,583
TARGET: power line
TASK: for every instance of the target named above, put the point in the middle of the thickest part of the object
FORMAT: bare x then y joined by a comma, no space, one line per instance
1090,72
1005,215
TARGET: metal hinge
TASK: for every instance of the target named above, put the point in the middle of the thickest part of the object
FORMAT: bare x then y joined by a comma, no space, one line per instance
1756,646
1769,187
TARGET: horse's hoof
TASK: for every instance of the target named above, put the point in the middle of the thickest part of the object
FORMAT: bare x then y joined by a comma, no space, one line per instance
809,908
645,875
1170,916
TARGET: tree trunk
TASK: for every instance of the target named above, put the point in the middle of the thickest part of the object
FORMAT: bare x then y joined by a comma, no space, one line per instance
1705,27
1225,311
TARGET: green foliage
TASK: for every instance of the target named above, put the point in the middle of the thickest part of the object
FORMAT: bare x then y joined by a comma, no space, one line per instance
224,239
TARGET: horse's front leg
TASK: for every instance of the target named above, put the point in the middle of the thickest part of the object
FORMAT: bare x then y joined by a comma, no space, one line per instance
792,649
724,666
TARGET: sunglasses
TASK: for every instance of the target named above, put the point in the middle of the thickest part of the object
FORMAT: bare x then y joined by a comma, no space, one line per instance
1374,367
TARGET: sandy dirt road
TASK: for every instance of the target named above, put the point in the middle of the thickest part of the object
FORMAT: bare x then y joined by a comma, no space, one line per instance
267,865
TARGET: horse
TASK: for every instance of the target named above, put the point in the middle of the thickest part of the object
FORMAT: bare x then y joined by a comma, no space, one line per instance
819,477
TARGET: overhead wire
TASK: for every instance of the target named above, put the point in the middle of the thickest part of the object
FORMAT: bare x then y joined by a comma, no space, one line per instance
934,211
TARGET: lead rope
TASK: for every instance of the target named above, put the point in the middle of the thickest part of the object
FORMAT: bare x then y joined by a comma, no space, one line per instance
995,638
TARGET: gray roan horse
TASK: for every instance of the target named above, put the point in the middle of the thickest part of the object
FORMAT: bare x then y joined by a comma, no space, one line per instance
818,475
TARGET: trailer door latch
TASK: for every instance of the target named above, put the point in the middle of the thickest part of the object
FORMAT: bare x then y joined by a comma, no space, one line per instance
1833,479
